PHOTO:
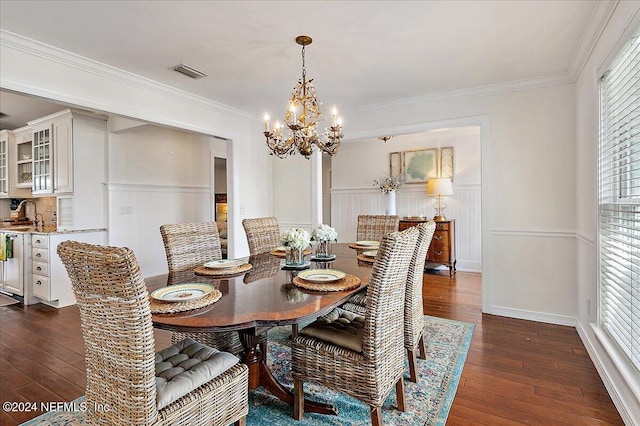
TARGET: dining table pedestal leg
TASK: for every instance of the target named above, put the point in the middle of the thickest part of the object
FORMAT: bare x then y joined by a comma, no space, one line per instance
259,374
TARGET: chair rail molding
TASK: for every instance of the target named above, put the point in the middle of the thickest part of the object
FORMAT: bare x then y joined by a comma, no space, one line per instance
463,206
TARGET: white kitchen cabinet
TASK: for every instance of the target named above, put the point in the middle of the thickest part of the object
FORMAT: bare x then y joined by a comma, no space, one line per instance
4,163
21,163
15,163
42,166
15,273
58,139
67,144
49,280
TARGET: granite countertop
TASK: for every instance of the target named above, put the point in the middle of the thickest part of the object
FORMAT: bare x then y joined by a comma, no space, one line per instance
46,229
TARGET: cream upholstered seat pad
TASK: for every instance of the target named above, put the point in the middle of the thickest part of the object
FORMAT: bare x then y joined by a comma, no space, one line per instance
186,365
340,327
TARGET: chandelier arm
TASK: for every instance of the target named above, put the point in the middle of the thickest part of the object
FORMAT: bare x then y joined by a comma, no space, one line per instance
303,128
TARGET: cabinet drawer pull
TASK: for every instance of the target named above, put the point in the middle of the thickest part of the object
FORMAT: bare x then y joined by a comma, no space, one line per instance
38,241
438,253
38,282
38,269
38,255
437,237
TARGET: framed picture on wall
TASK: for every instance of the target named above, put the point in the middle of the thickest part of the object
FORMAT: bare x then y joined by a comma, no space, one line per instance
446,162
395,165
420,165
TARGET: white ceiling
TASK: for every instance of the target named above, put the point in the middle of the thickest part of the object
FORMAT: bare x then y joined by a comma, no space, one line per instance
363,53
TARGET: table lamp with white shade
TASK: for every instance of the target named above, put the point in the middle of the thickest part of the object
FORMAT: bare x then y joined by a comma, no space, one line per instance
439,188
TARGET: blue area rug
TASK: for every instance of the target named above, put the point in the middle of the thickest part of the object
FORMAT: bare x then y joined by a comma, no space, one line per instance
428,402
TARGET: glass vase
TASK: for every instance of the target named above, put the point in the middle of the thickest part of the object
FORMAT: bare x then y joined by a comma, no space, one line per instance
323,250
294,256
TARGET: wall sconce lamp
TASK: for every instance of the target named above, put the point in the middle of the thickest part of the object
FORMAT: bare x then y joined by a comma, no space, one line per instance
439,188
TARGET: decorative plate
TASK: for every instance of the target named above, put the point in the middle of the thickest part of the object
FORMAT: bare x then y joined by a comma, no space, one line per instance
223,263
182,292
322,275
370,253
368,243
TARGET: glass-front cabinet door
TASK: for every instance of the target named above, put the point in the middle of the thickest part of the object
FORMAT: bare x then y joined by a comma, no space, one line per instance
42,160
4,149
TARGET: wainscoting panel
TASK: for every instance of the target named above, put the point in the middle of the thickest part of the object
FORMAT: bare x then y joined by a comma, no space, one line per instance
411,200
137,211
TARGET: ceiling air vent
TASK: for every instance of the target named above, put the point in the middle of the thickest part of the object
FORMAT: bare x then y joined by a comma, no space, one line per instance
188,71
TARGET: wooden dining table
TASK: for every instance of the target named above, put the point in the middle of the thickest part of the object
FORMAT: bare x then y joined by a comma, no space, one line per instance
258,300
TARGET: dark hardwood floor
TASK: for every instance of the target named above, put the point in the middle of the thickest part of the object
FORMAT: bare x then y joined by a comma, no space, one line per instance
517,372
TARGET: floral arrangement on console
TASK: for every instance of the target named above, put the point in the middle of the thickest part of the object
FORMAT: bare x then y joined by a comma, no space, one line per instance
296,238
324,233
387,185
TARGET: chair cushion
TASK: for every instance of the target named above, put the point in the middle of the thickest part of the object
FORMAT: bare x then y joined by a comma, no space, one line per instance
340,327
186,365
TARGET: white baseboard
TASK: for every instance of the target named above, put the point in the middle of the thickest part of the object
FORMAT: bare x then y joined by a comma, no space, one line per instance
469,266
625,402
533,316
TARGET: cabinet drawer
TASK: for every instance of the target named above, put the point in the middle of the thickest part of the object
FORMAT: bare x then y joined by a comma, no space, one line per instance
440,238
41,268
40,255
40,241
439,254
442,226
41,287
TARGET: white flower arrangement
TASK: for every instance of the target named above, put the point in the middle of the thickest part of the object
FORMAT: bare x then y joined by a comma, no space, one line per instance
324,233
296,238
387,185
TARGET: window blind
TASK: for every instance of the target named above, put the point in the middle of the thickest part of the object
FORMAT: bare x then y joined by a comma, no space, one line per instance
619,201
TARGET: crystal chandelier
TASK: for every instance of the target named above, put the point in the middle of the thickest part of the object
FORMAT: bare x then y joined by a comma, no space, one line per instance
302,117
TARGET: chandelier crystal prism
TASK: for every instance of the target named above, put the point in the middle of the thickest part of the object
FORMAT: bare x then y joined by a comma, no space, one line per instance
302,118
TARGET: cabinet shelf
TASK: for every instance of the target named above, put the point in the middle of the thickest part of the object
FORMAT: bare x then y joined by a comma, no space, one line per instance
24,161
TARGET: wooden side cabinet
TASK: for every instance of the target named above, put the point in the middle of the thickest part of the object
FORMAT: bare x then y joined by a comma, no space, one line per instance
442,250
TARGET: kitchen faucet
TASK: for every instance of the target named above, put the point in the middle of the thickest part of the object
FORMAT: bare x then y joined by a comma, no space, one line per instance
35,210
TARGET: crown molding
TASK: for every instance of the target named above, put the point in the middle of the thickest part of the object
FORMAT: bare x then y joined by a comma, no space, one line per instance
51,53
602,12
474,92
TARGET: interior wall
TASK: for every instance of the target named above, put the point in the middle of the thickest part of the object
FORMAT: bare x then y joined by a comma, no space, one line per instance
292,192
360,162
35,68
220,179
622,379
156,176
528,180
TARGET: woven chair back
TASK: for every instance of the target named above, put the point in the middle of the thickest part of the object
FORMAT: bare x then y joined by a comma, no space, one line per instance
413,307
117,330
375,227
188,245
263,234
383,340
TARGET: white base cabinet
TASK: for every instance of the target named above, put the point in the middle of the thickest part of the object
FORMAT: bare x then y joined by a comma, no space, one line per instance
15,279
50,282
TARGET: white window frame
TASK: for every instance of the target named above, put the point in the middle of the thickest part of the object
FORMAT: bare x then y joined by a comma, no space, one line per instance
619,211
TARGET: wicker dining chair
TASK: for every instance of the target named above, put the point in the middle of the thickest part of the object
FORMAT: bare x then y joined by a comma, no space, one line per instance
128,383
263,234
374,227
188,245
414,323
362,356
